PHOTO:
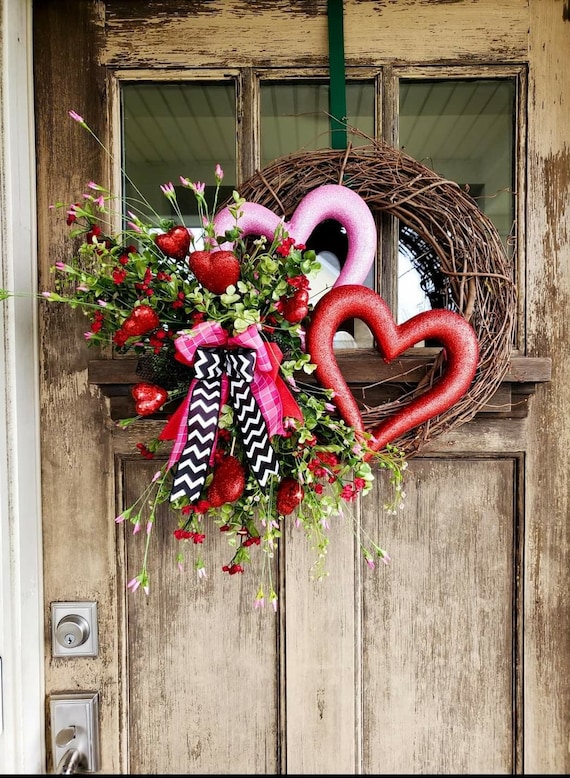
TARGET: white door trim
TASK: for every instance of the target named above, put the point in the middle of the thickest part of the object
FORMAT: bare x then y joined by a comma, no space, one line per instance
22,749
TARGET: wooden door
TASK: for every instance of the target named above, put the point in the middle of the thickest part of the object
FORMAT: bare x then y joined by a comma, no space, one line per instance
453,659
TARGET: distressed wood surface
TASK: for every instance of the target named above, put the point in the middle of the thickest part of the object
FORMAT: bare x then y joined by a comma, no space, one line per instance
356,674
261,33
202,663
360,366
439,635
547,573
76,455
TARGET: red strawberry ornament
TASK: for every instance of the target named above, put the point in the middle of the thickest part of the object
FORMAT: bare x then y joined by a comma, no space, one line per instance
143,319
295,308
174,243
215,270
149,398
228,482
290,494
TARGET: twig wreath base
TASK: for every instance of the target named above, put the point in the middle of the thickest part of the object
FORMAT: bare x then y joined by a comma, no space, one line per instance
465,257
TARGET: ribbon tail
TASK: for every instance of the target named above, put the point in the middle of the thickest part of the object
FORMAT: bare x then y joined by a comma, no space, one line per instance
290,406
193,464
257,445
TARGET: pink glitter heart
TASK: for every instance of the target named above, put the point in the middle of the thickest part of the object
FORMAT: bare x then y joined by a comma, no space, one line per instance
330,201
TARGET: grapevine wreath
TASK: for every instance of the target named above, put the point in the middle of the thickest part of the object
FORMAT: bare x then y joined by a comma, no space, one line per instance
461,260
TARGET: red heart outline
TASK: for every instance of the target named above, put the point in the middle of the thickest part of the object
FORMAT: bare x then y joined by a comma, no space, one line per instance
450,329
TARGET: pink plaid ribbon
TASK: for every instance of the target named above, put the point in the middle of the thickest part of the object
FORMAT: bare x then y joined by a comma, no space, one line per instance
263,387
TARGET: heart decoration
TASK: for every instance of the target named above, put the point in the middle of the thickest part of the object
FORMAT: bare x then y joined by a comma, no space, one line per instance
296,307
174,243
215,270
143,319
290,494
455,334
330,201
228,482
149,398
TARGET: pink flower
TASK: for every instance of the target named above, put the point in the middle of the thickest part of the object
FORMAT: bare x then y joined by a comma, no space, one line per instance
219,174
133,584
76,117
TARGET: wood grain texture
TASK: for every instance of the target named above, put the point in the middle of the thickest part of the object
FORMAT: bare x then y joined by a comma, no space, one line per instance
547,573
439,622
409,669
258,33
202,664
76,473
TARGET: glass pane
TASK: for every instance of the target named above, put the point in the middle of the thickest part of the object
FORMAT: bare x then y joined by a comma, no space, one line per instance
177,129
294,117
464,131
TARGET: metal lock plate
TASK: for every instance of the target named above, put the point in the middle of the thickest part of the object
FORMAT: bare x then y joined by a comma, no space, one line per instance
74,629
75,730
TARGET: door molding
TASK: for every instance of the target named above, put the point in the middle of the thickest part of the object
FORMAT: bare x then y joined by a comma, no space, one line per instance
22,748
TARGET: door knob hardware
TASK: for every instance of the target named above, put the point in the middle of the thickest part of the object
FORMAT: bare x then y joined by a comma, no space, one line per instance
74,629
75,732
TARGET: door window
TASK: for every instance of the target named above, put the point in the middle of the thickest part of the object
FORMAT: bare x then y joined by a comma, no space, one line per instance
462,128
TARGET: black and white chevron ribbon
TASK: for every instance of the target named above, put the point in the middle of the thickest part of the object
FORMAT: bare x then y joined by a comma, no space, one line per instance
209,366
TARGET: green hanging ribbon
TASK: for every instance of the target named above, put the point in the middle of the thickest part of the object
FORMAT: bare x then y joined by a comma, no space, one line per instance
337,90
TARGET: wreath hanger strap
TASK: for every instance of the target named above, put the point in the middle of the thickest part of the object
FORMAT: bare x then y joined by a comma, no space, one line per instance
337,93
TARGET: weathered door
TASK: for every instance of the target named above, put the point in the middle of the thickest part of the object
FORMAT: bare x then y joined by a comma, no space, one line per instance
455,657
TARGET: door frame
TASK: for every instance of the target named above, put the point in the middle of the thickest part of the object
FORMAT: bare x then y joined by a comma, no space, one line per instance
22,726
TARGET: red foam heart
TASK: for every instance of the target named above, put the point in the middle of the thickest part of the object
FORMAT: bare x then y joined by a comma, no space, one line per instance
450,329
215,270
174,243
143,319
149,398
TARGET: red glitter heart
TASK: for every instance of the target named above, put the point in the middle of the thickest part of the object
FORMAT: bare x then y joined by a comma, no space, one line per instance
149,398
290,494
143,319
295,308
215,270
450,329
228,482
174,243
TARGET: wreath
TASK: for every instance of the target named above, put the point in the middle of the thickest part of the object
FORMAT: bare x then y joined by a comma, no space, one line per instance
222,322
458,253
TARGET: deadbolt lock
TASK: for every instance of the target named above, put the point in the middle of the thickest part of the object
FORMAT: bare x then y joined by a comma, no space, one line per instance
74,629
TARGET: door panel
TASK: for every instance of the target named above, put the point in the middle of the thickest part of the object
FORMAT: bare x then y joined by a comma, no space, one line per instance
415,667
439,636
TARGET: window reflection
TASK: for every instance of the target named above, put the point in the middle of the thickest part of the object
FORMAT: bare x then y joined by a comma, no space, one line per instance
177,129
464,131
